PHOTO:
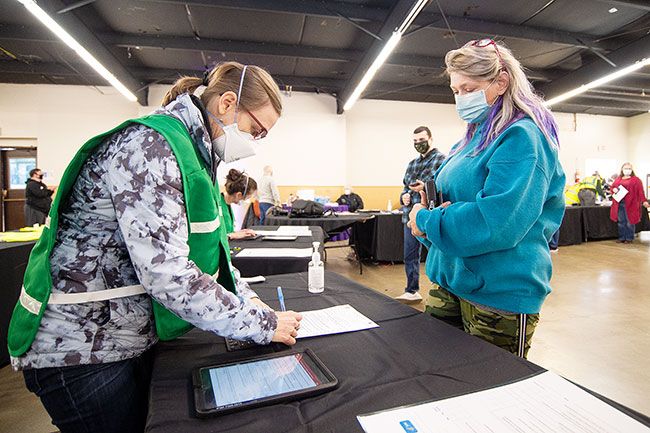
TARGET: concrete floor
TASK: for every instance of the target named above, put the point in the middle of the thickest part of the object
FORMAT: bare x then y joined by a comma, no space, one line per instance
593,330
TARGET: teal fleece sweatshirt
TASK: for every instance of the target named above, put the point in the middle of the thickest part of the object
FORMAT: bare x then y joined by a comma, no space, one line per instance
490,246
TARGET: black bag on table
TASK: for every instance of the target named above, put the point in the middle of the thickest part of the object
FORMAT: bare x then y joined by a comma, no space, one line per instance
306,209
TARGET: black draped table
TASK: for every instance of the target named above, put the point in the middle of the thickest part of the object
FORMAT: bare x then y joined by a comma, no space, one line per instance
588,223
598,225
380,238
331,224
572,230
253,266
410,358
13,261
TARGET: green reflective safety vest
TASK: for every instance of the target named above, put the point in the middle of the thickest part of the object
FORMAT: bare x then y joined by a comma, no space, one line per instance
208,242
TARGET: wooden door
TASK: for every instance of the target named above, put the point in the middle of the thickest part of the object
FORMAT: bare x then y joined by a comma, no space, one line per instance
15,166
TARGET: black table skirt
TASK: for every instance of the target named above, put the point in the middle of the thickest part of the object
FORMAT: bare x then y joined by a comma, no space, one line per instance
572,229
13,261
331,224
598,225
381,238
253,266
410,358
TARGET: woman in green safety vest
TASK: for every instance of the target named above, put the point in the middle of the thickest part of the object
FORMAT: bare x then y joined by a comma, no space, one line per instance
135,250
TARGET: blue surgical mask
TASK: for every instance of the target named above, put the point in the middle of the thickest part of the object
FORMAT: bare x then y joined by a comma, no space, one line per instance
472,107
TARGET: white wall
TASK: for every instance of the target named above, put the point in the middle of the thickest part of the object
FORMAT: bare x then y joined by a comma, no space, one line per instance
380,137
61,118
584,136
311,144
639,146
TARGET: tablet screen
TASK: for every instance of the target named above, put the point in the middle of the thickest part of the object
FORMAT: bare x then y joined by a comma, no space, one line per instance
240,383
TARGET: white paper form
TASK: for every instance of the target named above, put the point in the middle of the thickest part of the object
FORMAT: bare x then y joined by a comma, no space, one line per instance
620,194
540,404
275,252
293,231
333,320
266,232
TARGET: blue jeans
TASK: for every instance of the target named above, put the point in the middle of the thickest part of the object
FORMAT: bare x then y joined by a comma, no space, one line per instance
95,398
625,229
263,208
411,261
555,239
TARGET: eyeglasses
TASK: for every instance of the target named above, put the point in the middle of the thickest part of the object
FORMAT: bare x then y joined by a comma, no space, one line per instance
482,43
263,131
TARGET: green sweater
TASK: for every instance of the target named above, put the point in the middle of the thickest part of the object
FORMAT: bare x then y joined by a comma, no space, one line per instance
490,246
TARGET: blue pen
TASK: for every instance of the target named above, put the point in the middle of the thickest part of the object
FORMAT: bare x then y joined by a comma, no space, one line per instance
281,299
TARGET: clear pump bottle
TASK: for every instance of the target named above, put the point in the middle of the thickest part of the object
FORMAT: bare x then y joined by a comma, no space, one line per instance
316,274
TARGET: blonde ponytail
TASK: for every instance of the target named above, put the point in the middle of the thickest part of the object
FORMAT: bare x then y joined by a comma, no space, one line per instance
258,89
182,85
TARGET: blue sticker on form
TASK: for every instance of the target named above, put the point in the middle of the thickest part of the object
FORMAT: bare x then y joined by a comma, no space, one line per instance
408,426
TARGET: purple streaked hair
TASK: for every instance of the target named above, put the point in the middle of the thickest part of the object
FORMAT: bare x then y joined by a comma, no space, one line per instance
487,62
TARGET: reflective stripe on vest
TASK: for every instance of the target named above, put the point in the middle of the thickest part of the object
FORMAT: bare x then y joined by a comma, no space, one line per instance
207,241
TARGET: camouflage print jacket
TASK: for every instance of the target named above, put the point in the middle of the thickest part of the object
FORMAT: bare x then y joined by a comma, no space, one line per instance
123,224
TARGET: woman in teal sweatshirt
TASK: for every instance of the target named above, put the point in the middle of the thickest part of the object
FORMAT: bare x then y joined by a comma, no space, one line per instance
503,185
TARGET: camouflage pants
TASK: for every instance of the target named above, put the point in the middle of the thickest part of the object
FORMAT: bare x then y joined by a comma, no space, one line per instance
512,332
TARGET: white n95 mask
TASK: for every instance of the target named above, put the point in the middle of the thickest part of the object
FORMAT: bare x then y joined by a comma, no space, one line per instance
234,144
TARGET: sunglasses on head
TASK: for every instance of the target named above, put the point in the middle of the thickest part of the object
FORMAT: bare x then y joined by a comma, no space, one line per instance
482,43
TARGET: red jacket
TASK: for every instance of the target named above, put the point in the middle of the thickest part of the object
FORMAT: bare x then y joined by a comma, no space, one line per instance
633,199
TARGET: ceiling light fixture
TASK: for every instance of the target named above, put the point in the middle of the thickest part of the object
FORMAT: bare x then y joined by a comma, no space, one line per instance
599,82
384,54
612,10
60,32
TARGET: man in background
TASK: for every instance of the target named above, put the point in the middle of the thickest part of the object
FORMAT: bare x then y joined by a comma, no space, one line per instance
267,192
418,172
38,198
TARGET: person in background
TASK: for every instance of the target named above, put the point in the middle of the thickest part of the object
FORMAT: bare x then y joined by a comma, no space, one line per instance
418,171
238,187
627,212
502,184
268,193
352,200
136,252
38,198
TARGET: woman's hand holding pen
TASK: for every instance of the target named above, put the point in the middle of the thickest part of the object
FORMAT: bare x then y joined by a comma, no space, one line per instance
287,329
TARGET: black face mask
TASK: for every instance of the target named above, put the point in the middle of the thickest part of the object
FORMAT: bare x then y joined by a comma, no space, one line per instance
421,146
40,177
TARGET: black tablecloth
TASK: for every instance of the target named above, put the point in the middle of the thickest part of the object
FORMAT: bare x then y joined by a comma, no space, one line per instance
252,266
598,225
572,229
380,238
13,261
410,358
331,224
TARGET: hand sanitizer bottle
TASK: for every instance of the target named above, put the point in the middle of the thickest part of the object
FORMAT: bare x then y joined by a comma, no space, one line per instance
316,274
389,206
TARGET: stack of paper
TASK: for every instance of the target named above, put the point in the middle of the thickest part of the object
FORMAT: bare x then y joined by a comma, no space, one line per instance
542,403
293,231
275,252
333,320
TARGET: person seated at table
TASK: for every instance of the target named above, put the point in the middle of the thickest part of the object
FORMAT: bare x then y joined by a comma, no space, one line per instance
351,199
135,252
503,190
239,187
627,211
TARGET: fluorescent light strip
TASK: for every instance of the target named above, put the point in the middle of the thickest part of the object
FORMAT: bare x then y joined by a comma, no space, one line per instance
372,70
383,54
599,82
43,17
